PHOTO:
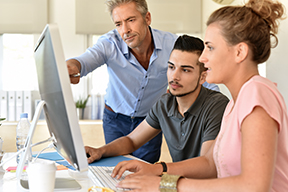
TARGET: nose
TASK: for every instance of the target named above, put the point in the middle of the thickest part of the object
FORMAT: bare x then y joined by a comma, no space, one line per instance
175,74
202,57
126,28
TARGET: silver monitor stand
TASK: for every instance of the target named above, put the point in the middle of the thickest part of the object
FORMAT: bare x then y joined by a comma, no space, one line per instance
60,183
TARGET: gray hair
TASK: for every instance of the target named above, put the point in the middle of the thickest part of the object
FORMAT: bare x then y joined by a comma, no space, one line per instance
140,4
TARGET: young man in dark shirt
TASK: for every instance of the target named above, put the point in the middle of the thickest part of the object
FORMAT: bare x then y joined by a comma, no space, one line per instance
189,115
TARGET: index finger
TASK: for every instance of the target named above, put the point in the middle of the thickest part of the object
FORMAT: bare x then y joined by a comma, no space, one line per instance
89,155
119,169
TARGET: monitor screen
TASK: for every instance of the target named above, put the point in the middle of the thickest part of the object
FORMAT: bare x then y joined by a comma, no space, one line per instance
55,90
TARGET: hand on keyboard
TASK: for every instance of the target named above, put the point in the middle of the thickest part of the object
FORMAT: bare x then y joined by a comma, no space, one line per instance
141,183
138,167
102,176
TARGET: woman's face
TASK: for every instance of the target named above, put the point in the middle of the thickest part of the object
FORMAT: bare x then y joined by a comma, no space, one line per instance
217,56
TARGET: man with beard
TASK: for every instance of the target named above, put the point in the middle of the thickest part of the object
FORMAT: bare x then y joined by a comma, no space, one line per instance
189,115
135,55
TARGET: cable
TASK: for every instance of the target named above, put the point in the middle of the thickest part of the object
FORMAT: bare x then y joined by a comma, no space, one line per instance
51,145
21,150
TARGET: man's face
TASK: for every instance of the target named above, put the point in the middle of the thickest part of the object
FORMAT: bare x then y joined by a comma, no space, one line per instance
183,73
130,24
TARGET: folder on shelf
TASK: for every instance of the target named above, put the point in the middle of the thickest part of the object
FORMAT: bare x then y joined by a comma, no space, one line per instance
19,104
11,106
27,104
3,104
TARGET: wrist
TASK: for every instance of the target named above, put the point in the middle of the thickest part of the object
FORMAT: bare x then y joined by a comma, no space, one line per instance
162,166
168,183
158,169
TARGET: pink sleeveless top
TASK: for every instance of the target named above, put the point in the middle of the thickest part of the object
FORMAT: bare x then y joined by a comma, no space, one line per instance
258,91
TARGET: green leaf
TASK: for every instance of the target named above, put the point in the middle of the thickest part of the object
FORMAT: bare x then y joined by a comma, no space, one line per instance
1,119
82,103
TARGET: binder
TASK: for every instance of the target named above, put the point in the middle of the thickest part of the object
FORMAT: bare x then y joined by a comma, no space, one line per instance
27,104
3,104
19,104
11,106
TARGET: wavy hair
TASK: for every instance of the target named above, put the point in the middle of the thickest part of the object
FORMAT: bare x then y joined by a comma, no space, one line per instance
254,23
140,4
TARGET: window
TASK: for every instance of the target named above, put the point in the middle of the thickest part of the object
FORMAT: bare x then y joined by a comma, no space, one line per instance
99,77
18,65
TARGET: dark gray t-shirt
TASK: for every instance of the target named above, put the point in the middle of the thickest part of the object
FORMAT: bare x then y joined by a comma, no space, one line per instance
201,122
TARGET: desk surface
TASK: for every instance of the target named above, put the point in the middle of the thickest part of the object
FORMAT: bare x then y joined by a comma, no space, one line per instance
8,181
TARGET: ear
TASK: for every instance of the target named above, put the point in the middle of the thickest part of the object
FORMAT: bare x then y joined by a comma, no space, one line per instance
203,77
242,50
148,18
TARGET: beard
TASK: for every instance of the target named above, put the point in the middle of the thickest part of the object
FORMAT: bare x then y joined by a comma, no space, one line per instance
187,93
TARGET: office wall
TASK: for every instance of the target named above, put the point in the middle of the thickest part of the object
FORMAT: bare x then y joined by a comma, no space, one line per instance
277,65
63,13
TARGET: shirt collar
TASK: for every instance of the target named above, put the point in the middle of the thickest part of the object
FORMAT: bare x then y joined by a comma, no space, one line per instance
198,103
195,107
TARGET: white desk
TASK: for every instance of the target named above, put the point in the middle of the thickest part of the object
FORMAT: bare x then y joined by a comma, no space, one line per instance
8,181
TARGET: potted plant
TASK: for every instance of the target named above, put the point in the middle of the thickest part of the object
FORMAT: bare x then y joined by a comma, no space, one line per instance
80,105
1,119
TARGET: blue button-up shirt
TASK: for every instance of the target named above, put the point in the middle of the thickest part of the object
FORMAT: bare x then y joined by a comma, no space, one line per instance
131,89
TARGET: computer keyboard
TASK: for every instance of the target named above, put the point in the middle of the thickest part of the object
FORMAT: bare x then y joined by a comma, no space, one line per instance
102,175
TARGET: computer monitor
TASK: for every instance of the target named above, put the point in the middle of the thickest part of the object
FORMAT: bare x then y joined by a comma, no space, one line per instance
55,90
59,110
57,102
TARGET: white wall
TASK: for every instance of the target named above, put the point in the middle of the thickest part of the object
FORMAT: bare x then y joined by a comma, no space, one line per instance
277,65
63,13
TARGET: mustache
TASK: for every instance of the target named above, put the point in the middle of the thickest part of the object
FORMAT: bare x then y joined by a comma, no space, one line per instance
175,82
128,35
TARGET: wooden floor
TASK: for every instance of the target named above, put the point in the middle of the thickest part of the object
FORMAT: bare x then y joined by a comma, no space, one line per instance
92,134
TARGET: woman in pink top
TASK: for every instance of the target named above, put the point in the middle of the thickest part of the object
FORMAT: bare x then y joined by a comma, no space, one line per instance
251,150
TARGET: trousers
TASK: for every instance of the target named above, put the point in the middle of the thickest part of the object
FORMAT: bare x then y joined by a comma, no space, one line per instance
116,125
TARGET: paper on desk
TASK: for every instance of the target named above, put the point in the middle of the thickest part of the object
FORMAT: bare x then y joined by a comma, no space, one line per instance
109,161
105,162
53,156
14,168
66,164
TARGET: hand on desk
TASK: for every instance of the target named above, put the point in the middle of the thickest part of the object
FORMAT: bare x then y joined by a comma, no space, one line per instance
93,154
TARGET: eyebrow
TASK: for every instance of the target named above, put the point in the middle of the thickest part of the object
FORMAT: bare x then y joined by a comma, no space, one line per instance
132,17
183,66
207,42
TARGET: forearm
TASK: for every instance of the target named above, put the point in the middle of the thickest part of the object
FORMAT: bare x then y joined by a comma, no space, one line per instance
199,167
120,146
236,184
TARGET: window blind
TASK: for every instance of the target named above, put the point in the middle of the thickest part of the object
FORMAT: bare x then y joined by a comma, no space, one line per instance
23,16
176,16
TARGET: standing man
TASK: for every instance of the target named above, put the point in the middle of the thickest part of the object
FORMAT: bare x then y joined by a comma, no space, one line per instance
136,57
